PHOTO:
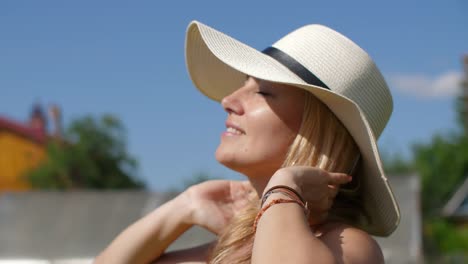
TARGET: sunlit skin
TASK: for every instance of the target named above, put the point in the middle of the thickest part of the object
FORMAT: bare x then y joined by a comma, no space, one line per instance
263,120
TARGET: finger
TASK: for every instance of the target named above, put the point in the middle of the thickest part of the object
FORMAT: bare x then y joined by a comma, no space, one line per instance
240,203
247,185
242,191
332,191
248,189
336,178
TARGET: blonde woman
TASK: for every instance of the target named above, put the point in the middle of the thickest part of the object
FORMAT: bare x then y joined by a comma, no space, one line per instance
303,117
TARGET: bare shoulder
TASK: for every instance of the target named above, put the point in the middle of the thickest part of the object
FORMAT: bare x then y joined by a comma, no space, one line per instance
350,245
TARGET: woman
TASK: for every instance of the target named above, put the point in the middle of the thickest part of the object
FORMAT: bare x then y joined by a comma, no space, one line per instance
302,117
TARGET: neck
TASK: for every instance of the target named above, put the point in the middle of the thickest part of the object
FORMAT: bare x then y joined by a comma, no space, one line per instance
259,183
258,177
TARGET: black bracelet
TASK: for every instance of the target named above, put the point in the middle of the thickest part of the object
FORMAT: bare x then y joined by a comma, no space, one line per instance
282,187
286,193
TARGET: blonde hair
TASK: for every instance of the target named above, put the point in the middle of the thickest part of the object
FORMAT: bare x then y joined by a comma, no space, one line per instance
323,142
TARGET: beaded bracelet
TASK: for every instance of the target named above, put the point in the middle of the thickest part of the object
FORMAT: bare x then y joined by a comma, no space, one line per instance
286,189
286,192
273,202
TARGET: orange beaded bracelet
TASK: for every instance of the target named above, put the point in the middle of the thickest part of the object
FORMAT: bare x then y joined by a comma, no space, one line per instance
286,190
273,202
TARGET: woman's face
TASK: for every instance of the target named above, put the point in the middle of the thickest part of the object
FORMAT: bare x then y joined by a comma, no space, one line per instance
263,120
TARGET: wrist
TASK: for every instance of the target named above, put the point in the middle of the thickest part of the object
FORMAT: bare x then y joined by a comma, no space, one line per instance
285,190
185,208
282,177
274,196
278,198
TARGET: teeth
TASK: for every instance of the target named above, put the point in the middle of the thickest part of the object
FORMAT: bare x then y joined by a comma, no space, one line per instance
233,131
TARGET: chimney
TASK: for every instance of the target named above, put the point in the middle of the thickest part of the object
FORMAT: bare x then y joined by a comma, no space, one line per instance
37,119
56,117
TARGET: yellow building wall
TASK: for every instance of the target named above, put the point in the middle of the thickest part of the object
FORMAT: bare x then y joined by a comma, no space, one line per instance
17,155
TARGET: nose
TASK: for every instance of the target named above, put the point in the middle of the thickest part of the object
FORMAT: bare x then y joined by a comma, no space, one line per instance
232,104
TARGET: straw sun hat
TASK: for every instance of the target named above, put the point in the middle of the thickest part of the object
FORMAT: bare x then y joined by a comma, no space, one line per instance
331,67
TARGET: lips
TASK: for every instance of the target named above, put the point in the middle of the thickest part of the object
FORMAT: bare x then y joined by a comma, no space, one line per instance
233,129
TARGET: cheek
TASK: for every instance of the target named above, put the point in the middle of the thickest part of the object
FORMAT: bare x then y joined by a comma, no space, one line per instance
283,127
272,135
291,117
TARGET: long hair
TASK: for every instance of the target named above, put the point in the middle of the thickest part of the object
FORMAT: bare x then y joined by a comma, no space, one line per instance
323,142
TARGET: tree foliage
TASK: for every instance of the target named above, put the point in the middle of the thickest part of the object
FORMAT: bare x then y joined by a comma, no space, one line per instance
92,155
442,165
461,103
396,164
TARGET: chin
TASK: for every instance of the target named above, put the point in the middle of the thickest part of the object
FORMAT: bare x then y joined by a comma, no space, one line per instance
230,161
247,165
226,160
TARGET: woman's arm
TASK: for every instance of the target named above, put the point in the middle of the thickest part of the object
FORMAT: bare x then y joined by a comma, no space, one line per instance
283,236
148,238
283,232
351,245
210,205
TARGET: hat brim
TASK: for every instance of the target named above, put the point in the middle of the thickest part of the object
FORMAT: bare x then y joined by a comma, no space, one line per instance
218,64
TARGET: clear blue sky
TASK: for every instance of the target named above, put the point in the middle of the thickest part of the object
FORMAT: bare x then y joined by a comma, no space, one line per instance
127,58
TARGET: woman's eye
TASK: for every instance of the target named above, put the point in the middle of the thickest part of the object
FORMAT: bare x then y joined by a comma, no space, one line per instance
263,93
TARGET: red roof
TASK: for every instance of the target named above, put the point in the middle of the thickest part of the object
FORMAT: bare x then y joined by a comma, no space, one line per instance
34,134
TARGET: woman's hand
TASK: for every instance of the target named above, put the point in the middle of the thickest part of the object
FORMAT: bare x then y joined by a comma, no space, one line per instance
214,203
316,186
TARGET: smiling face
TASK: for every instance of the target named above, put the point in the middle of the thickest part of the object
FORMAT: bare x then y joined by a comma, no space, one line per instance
263,120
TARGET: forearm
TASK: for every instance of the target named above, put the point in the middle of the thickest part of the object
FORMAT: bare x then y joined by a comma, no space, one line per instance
149,237
284,236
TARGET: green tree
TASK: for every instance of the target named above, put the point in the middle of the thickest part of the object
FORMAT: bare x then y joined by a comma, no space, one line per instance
91,155
396,164
443,166
462,100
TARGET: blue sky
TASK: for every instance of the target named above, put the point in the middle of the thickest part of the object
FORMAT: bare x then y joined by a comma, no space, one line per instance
127,58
